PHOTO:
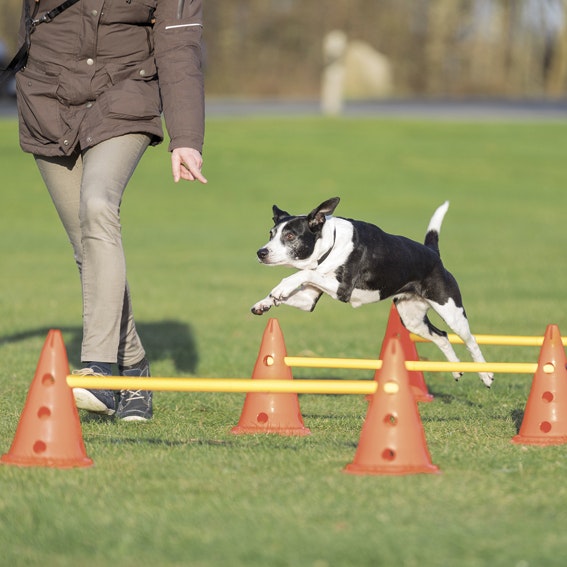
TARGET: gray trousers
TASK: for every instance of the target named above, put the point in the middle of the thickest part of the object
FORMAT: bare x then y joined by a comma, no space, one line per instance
87,190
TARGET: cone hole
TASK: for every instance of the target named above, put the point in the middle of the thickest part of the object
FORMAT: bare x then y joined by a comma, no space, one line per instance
391,387
388,454
48,380
262,417
43,412
269,360
39,447
547,397
545,427
549,367
391,419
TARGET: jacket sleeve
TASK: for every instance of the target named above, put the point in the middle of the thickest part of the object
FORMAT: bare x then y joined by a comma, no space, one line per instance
177,36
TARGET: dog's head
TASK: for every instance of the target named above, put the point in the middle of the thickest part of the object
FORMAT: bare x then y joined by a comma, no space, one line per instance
294,239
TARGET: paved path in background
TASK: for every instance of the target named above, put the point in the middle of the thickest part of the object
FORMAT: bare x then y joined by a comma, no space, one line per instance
433,109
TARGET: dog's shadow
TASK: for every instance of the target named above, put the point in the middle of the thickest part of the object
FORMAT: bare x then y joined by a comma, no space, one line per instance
162,340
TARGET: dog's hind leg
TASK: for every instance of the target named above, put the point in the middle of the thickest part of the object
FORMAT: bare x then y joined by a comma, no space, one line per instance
456,319
413,313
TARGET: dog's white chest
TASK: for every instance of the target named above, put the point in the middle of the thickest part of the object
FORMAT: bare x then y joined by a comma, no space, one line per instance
363,296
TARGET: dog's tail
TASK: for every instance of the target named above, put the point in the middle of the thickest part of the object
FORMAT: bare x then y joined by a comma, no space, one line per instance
432,235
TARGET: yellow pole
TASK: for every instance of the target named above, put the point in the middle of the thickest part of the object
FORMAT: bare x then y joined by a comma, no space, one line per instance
418,365
350,363
231,385
228,385
497,340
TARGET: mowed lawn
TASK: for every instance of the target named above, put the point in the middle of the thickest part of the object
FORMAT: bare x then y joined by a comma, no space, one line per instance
183,490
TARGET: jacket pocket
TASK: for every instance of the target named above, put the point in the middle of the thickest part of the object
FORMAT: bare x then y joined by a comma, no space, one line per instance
135,70
129,12
38,106
133,100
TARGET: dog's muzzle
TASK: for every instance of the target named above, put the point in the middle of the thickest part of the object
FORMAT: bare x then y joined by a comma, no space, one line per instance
263,254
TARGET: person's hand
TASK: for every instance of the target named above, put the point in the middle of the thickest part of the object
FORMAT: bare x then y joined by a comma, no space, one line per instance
186,164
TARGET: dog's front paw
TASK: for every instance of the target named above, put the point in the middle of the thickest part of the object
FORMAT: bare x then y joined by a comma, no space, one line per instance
287,288
262,306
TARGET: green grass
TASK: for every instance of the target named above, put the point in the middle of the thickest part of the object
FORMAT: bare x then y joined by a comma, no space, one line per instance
182,490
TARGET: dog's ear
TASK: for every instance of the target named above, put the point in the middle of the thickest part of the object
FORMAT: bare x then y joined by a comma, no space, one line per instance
279,214
316,218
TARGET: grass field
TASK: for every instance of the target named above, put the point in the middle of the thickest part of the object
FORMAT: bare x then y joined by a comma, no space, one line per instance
182,490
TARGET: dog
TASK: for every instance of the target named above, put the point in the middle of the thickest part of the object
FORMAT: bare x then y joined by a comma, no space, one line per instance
358,263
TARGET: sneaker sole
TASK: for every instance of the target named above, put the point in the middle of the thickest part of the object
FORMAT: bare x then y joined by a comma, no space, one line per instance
87,401
133,418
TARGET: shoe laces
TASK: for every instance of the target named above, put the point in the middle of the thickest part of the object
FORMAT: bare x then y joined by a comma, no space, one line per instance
132,395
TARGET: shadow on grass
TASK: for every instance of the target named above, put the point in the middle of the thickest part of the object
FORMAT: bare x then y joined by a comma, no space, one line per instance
517,418
162,340
166,442
446,398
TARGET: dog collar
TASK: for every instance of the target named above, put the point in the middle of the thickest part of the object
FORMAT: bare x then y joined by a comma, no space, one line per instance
326,254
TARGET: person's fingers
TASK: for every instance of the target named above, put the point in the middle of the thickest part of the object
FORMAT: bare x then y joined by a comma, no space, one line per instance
186,164
192,172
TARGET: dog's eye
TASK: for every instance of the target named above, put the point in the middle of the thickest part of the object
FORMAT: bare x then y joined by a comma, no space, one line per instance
289,236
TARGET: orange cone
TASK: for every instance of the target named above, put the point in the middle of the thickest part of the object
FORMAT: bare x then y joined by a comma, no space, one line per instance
545,416
49,431
392,440
271,413
395,328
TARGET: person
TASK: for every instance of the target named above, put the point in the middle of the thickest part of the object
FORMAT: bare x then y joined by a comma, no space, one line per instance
99,74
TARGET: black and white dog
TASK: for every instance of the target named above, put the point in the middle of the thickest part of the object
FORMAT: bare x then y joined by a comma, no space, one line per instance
358,263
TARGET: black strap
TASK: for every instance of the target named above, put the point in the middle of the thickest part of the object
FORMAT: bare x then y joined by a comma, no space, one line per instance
21,58
326,254
47,17
18,62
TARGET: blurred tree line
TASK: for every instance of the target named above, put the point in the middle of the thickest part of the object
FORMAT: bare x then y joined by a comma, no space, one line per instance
273,48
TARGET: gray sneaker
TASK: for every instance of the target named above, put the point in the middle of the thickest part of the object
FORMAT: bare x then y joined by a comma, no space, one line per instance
95,401
135,405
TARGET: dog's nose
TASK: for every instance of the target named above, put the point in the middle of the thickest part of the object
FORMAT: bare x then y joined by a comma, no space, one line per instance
262,254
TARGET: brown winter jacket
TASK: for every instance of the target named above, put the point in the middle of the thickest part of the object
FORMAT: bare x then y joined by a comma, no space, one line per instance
92,74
